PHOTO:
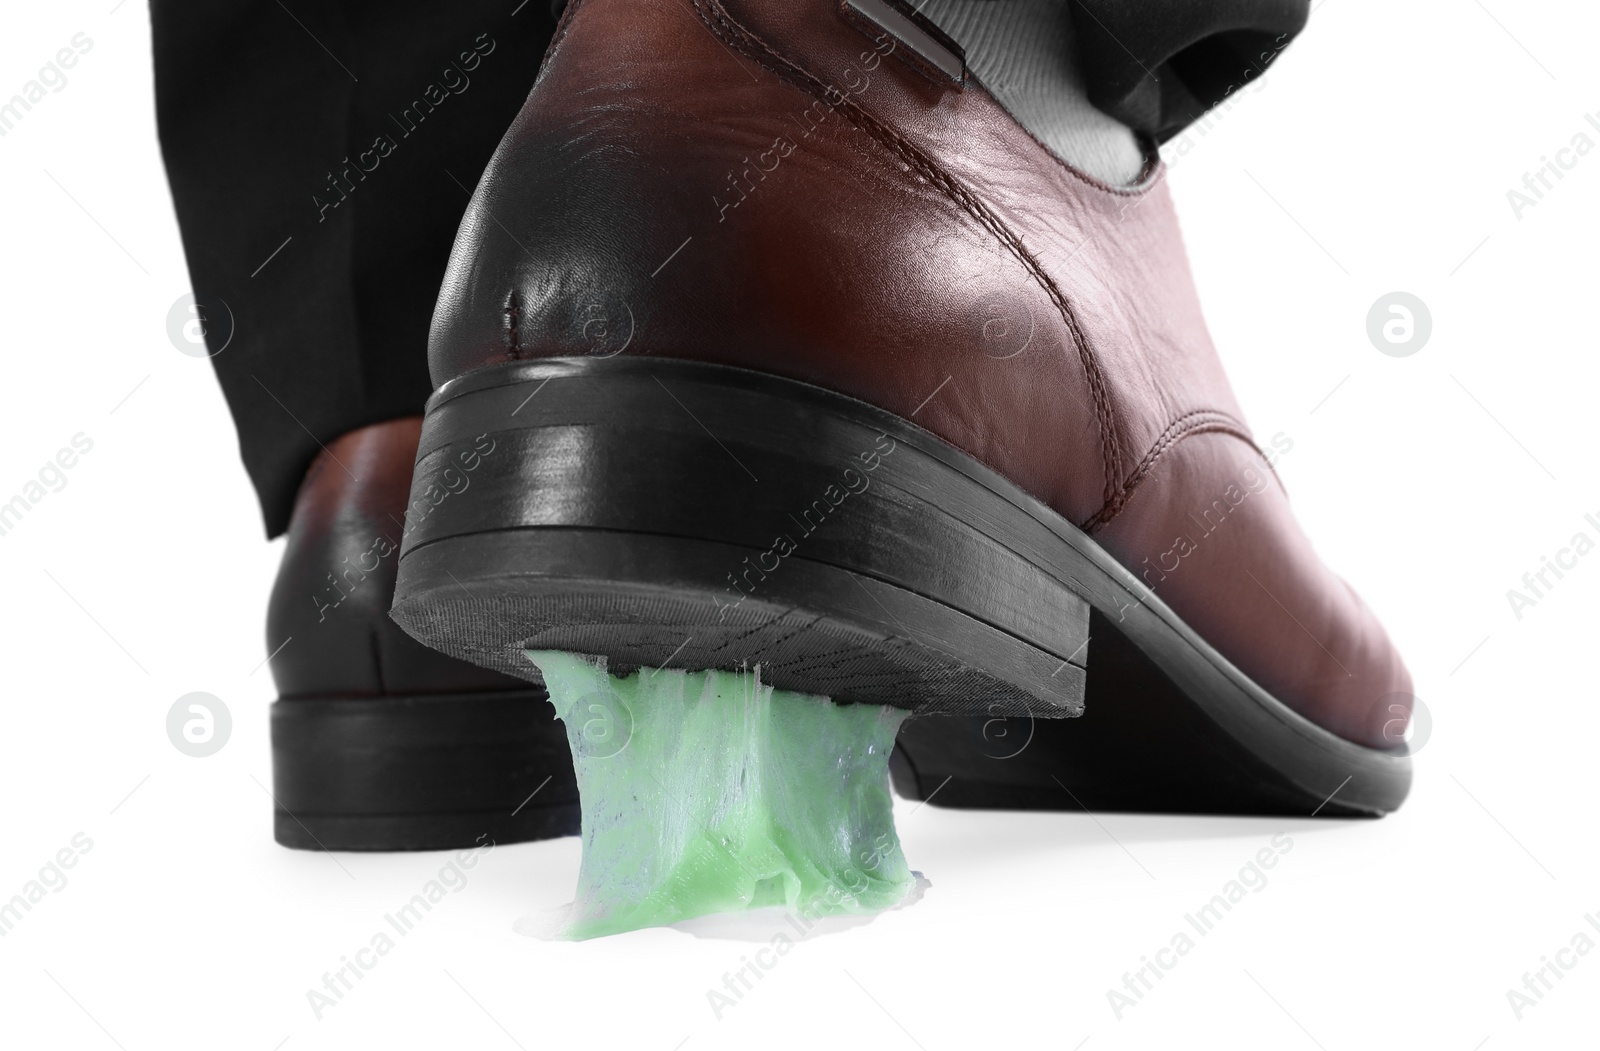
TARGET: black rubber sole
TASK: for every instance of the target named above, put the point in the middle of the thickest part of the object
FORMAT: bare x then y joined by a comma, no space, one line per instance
420,773
670,513
1141,745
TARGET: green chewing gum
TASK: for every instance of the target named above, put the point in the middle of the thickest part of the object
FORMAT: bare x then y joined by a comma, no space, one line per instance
708,792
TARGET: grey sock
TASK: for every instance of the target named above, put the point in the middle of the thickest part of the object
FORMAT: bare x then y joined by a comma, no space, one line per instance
1025,53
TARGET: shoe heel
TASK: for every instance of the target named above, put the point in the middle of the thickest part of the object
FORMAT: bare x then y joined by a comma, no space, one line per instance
431,772
663,512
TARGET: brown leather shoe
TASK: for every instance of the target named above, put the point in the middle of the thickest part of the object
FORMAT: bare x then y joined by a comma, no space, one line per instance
793,347
379,743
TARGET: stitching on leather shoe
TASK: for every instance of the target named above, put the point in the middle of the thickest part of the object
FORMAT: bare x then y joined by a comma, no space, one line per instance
722,25
1200,421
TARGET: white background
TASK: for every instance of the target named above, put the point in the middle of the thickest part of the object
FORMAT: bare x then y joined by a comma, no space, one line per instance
1376,157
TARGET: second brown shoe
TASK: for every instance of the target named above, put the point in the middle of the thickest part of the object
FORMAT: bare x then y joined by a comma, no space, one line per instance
379,743
795,349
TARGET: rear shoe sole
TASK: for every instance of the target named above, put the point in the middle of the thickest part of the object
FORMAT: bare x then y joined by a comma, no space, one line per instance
672,513
433,772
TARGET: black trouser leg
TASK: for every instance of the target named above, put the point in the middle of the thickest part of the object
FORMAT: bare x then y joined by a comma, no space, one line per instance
320,161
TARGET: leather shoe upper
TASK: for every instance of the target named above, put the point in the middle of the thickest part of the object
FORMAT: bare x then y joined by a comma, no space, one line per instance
775,185
328,626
